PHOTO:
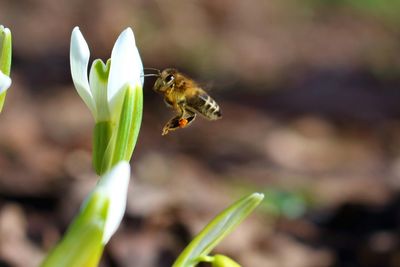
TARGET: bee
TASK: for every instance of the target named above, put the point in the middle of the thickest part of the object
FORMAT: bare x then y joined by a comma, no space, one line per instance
186,97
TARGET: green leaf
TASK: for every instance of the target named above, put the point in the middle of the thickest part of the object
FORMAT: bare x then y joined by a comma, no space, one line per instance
217,229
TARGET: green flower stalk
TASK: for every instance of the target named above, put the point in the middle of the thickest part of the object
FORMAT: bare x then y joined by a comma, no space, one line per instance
198,250
99,218
113,93
5,63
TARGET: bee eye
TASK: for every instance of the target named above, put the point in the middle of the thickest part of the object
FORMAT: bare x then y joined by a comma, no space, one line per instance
169,78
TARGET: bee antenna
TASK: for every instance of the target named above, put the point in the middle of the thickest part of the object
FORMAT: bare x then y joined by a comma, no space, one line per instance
157,70
150,75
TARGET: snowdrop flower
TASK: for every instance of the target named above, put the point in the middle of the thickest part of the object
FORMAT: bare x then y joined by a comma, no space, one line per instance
103,90
114,187
113,92
5,62
99,218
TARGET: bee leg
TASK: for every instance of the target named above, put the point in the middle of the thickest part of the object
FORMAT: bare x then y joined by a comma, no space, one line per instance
179,108
176,121
180,121
172,125
168,102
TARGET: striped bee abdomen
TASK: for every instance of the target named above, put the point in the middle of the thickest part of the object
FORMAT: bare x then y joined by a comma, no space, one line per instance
205,105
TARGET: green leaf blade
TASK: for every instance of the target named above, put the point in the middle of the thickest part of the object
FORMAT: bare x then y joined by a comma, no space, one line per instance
222,225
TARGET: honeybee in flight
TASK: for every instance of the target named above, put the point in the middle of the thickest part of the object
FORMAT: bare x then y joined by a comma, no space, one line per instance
186,97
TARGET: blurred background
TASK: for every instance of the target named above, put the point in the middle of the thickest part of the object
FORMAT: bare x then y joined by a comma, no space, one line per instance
310,94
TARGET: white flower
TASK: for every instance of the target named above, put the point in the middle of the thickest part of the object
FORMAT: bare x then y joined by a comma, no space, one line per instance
5,82
99,217
102,92
113,186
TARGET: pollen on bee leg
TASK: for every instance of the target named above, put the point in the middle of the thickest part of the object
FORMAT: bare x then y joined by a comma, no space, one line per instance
183,122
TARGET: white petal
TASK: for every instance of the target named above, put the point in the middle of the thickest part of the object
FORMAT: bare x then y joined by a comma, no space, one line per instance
5,82
114,184
79,60
126,67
